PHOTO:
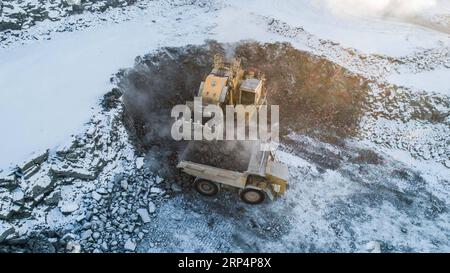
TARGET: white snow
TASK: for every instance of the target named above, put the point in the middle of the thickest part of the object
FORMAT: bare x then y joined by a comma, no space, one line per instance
369,34
437,80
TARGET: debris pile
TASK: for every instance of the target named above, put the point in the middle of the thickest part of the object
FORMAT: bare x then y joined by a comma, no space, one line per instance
229,155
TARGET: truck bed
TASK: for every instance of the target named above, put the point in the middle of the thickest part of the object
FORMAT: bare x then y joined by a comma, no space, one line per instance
229,155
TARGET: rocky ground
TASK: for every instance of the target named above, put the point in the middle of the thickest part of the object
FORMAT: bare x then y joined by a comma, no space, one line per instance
26,21
92,195
115,187
21,15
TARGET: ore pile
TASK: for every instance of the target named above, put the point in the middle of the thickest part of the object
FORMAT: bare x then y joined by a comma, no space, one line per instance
229,155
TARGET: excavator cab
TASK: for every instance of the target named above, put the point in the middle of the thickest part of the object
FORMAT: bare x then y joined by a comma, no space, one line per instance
229,84
250,91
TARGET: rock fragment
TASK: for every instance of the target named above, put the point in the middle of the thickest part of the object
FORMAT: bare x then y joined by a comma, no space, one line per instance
373,247
5,230
151,207
139,162
129,245
143,213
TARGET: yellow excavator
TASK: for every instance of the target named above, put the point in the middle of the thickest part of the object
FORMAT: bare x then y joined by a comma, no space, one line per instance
229,84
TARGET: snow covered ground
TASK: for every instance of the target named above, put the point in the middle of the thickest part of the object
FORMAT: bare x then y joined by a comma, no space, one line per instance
53,74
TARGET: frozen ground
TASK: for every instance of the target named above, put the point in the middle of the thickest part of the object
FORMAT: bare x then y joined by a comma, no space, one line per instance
54,71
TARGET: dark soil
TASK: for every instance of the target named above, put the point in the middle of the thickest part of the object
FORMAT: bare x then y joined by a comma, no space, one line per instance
230,155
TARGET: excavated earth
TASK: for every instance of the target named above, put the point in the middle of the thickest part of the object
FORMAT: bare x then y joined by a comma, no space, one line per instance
341,196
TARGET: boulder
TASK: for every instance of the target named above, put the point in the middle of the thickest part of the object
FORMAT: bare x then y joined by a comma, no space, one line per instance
129,245
40,185
139,162
73,247
68,207
158,180
96,196
175,187
155,190
86,235
102,191
38,160
77,174
373,247
143,213
5,230
151,207
53,198
124,184
17,195
9,182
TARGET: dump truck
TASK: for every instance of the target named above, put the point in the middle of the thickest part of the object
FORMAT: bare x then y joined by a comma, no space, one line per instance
234,164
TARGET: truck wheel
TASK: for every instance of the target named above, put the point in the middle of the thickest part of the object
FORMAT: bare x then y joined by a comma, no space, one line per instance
252,196
206,187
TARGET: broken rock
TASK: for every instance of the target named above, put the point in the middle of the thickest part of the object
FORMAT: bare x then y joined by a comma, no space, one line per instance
139,162
5,230
67,208
17,195
124,184
8,207
96,196
129,245
175,187
373,247
9,182
155,190
41,158
73,247
40,185
86,235
78,174
158,180
53,198
143,213
151,207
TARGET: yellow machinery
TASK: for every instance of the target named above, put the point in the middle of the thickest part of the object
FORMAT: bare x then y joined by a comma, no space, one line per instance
229,84
233,164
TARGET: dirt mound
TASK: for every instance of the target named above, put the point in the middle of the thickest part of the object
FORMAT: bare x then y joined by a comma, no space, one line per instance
316,97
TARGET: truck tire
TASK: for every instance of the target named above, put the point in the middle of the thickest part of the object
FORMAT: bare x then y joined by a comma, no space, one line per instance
252,196
206,187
